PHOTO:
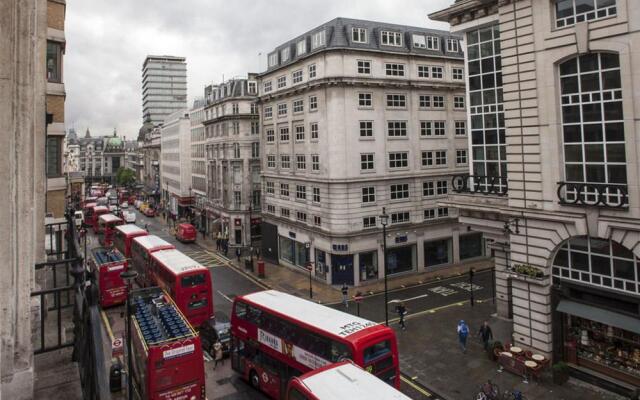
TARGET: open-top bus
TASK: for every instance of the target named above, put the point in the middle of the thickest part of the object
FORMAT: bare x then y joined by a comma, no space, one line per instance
107,265
186,280
276,336
124,235
335,381
167,355
106,225
141,249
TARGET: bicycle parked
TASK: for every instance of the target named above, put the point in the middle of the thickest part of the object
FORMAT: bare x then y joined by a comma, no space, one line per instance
488,391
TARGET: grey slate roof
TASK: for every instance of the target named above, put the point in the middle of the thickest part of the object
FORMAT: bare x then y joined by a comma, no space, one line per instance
231,88
338,36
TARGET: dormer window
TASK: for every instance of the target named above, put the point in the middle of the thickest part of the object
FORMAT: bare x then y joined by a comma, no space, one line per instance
252,87
273,59
389,38
318,39
301,47
284,55
433,43
452,45
419,41
359,35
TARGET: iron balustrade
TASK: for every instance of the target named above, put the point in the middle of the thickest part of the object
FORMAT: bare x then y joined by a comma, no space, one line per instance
483,184
593,194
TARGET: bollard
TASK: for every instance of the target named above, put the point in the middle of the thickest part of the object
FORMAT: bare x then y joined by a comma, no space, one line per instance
115,377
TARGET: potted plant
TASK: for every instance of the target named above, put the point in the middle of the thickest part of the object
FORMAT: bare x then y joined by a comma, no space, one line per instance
560,372
528,270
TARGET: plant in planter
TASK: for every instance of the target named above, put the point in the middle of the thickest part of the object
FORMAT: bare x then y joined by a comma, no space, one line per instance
560,372
528,270
496,348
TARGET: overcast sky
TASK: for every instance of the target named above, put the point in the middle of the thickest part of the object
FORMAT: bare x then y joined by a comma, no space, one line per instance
107,41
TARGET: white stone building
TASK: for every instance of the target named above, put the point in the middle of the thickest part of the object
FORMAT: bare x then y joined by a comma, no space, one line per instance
556,191
198,161
175,165
233,160
357,117
164,87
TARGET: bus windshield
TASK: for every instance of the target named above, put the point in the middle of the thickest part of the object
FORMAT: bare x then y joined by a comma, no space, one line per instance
376,351
193,280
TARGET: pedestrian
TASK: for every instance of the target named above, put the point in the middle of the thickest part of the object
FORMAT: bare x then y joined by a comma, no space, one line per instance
217,354
203,233
238,253
345,295
146,227
485,334
463,332
401,309
225,248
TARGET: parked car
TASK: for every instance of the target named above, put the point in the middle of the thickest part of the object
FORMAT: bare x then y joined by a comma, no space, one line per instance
137,204
212,331
149,212
129,216
143,207
186,233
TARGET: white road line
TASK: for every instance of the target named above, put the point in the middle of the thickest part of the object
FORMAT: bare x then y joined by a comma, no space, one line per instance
415,298
225,296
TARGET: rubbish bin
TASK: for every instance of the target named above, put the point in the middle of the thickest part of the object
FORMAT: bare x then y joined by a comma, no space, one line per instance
261,269
115,377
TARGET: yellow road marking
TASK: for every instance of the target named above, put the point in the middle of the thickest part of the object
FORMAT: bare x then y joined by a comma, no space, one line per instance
107,325
433,310
416,387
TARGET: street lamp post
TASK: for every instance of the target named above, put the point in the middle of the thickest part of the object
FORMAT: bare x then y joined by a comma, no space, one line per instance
307,246
250,236
471,273
129,276
384,220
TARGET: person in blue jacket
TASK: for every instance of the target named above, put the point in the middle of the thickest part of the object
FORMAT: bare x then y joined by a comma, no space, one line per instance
463,332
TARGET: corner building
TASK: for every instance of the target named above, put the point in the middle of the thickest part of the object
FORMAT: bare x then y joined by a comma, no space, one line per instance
553,181
357,116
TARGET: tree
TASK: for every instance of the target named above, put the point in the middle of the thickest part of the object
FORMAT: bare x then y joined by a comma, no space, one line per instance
125,177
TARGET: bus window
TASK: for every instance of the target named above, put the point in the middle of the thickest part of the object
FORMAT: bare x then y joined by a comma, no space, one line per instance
241,310
254,315
340,351
377,350
294,394
193,280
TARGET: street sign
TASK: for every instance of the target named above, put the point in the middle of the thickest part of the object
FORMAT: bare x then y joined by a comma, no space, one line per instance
117,347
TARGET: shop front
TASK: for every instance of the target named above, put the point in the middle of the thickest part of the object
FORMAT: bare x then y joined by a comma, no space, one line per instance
293,252
438,252
368,262
401,259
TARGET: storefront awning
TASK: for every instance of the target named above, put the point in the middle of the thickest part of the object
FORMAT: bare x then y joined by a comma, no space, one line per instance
600,315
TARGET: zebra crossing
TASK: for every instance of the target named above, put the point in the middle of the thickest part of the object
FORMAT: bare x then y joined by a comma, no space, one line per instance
206,258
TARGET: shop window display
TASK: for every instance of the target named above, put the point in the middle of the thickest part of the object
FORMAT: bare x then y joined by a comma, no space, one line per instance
400,259
368,265
437,252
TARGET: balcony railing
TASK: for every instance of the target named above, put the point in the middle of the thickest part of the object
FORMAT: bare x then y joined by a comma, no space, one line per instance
487,185
593,194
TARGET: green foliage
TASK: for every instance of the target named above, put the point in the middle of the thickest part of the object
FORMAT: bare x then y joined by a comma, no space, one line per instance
528,270
125,177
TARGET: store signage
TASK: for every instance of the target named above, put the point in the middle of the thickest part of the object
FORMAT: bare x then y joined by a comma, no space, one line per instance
340,247
288,349
237,222
178,351
401,239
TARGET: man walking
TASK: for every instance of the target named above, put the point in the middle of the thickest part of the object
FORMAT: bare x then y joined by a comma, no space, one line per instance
463,332
485,335
345,295
402,311
238,253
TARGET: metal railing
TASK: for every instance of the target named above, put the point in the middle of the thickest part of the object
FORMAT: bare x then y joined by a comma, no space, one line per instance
593,194
487,185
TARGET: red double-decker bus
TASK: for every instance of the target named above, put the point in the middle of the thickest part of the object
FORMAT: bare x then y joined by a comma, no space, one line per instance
124,235
186,280
96,212
167,355
141,249
107,265
335,380
276,336
106,225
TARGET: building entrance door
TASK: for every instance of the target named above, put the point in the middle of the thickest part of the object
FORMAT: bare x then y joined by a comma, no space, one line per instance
341,269
238,236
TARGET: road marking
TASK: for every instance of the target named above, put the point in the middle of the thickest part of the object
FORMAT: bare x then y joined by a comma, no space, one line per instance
415,298
107,325
225,296
434,310
416,387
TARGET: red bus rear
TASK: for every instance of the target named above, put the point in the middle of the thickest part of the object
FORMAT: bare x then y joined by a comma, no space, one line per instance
141,249
272,328
167,355
187,281
95,217
107,265
87,213
107,224
124,235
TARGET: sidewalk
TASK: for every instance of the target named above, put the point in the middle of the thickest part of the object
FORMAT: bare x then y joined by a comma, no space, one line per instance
296,280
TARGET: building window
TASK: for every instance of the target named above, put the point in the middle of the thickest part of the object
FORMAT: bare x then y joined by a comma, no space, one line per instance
365,100
301,192
312,71
461,157
282,81
273,59
364,67
367,162
282,109
271,208
317,221
316,195
237,199
54,156
569,12
271,161
397,128
301,216
368,222
434,158
443,212
423,71
484,68
400,217
457,74
301,47
368,194
396,100
285,212
296,76
284,54
268,112
432,128
301,161
235,109
299,133
461,128
285,161
267,86
255,127
366,129
452,46
313,103
419,41
437,72
318,39
284,134
54,62
427,189
394,69
255,150
593,126
458,102
298,106
441,187
424,101
314,131
270,136
399,159
284,189
359,35
438,101
236,150
315,162
391,38
429,213
399,191
270,187
433,43
236,128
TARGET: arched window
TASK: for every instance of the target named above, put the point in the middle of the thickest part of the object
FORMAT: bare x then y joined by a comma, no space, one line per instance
593,128
598,262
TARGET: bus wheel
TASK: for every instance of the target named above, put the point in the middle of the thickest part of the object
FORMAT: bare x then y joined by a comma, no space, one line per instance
254,379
